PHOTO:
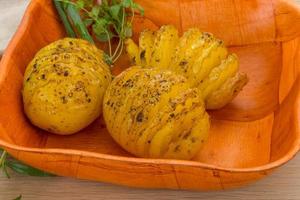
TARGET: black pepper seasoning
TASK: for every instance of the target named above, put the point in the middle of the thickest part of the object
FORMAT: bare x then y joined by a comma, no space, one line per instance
140,117
142,55
64,99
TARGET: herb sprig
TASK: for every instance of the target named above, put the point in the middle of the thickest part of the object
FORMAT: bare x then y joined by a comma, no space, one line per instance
108,20
7,161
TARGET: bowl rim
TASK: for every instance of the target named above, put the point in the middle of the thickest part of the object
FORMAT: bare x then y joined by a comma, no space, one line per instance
4,70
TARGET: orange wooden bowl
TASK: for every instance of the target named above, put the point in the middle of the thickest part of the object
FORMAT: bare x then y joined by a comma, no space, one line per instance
258,132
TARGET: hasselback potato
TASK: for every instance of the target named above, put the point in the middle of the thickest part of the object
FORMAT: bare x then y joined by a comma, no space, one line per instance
64,86
155,113
199,56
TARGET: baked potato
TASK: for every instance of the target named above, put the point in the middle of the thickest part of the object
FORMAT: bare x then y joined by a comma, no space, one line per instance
64,86
226,92
199,56
155,113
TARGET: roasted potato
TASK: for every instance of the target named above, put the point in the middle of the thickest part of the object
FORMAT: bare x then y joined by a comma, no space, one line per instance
64,86
199,56
155,113
226,92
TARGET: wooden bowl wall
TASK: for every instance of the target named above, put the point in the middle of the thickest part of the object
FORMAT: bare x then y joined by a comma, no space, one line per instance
257,132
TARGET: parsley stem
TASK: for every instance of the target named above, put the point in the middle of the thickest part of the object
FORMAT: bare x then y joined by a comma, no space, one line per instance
117,49
72,3
109,43
122,25
120,46
120,52
132,17
64,18
78,23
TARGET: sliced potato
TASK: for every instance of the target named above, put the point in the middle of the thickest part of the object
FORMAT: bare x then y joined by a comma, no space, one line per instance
148,122
226,92
188,49
164,46
133,52
64,86
212,55
199,56
146,45
218,76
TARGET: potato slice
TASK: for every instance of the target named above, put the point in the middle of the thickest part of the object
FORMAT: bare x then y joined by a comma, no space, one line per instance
146,46
132,50
219,75
164,46
226,92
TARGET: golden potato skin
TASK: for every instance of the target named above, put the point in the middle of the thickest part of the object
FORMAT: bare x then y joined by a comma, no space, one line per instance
199,56
133,52
146,44
226,92
155,113
64,86
164,45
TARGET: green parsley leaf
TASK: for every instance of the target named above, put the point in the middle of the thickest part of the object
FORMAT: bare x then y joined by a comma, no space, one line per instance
139,8
108,18
88,21
115,12
95,10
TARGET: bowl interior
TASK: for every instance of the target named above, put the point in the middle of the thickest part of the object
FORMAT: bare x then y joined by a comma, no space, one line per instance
246,133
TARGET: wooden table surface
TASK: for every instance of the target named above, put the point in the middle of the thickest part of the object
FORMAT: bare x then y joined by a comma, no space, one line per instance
284,184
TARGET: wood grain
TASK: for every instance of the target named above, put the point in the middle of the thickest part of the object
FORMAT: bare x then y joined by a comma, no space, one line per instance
282,185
